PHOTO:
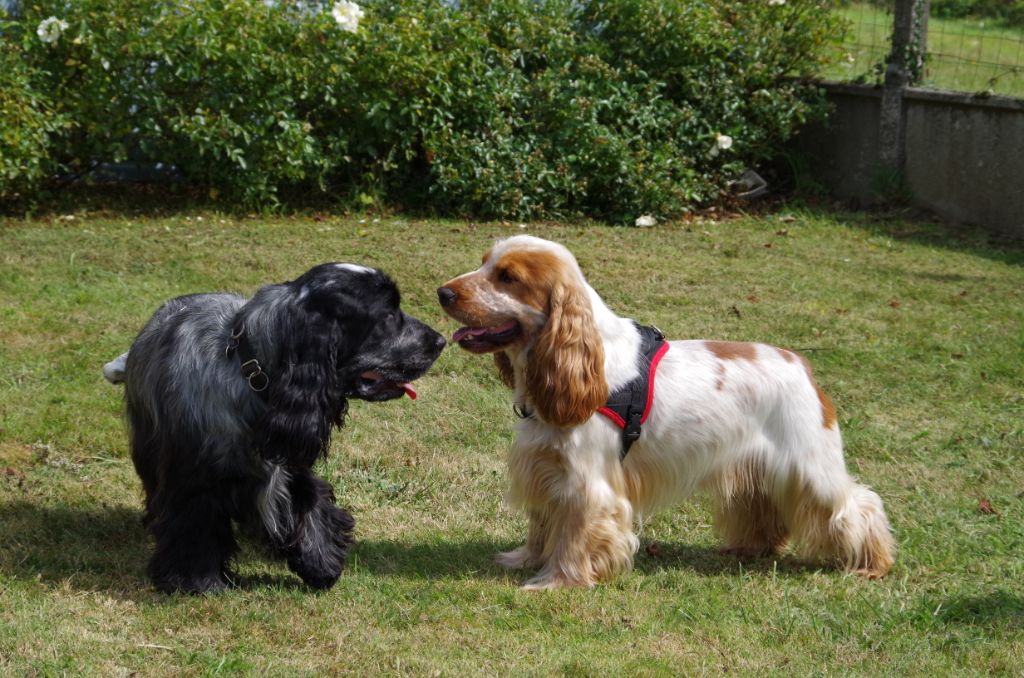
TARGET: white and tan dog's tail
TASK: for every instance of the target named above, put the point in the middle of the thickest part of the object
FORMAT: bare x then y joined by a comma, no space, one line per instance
114,370
852,528
862,533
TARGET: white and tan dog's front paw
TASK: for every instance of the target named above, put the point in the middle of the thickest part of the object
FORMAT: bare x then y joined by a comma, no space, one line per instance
516,559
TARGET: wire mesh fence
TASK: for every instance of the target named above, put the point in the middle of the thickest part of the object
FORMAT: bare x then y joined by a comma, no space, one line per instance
970,45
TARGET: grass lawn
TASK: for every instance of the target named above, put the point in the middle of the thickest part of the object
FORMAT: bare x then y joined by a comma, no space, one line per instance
970,54
916,333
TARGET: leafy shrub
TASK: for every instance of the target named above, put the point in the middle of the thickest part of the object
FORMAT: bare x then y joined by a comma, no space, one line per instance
1011,12
27,123
497,108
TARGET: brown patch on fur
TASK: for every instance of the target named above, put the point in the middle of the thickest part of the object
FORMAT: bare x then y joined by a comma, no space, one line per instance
828,409
528,276
565,369
787,355
534,275
720,382
463,308
732,350
487,255
505,370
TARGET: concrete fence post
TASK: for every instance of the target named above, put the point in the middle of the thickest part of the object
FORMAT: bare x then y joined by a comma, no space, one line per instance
904,66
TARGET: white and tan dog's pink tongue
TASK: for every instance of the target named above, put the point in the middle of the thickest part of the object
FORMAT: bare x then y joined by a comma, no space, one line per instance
464,332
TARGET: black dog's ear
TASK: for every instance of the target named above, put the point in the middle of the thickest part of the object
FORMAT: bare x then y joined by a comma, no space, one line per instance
305,399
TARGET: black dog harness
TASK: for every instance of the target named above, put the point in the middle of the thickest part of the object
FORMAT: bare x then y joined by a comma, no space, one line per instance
630,404
249,364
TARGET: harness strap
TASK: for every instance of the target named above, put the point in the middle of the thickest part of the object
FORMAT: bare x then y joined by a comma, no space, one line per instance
629,406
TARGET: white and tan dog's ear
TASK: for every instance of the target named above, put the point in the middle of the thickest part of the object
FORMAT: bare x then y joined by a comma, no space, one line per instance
565,368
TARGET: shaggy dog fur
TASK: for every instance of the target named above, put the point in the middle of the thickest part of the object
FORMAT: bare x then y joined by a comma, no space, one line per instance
216,441
744,421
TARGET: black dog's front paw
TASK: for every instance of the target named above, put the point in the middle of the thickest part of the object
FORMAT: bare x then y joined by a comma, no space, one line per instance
193,583
319,552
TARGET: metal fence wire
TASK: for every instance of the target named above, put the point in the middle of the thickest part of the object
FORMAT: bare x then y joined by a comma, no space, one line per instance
968,45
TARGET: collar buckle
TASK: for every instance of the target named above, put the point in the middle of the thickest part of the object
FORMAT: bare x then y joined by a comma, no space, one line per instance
250,367
253,373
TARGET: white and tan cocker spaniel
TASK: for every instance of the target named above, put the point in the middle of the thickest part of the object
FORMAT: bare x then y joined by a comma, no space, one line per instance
744,421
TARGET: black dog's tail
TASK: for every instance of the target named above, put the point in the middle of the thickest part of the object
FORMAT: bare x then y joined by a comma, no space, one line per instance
114,370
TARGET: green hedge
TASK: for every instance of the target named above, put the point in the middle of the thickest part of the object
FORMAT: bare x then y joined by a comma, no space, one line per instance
1010,11
504,108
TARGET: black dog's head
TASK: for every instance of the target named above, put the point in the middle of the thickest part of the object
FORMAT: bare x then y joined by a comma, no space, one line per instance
338,332
380,349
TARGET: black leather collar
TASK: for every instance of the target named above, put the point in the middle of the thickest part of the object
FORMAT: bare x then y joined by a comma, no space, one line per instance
249,364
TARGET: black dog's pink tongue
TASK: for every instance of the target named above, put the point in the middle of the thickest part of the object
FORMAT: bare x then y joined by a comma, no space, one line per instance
374,375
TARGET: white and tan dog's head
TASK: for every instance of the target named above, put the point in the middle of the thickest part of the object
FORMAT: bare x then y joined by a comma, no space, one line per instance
529,297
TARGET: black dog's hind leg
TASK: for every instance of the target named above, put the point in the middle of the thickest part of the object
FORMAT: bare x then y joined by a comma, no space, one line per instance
316,548
194,542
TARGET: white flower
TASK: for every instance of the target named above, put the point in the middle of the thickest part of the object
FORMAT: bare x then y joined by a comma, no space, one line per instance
723,142
347,14
645,221
50,30
776,3
105,64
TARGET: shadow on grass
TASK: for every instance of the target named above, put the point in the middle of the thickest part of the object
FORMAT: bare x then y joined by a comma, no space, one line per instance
709,562
998,608
918,227
104,549
87,549
444,558
474,559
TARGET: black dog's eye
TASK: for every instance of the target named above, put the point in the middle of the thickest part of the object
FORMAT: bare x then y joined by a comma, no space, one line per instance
506,276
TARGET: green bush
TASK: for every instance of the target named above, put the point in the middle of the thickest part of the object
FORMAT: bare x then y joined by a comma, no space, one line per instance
1011,12
503,108
27,125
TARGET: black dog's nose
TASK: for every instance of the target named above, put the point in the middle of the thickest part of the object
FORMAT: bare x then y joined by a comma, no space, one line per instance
446,295
439,343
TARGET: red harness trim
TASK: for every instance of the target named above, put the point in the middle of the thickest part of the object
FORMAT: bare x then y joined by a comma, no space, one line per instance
655,359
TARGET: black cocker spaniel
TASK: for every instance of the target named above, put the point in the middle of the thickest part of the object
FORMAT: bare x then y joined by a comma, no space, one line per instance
231,401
